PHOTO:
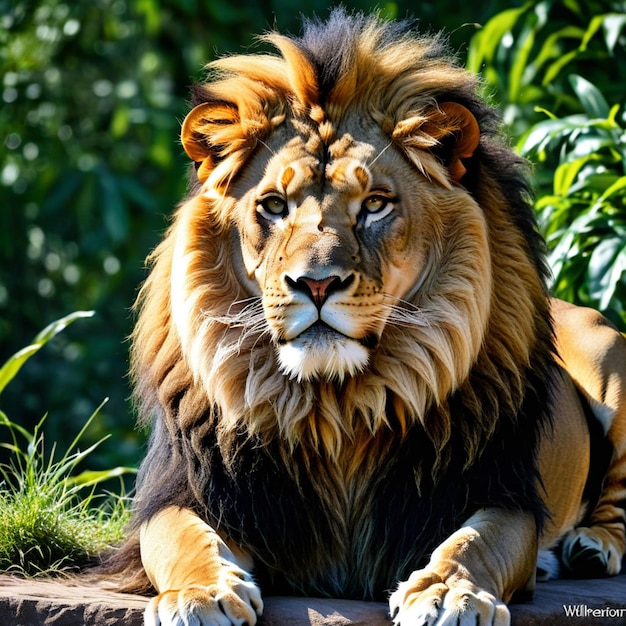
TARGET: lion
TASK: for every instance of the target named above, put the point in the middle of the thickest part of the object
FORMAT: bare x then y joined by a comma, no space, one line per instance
346,350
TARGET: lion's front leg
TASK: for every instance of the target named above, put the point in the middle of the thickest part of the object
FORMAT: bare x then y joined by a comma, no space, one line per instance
199,579
472,574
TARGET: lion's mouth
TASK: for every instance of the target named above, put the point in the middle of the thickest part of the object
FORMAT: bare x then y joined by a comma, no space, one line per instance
321,331
323,352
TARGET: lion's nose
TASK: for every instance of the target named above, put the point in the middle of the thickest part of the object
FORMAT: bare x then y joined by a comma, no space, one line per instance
319,290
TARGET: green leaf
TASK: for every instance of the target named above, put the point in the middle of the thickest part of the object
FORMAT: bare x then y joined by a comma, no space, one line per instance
616,188
116,220
5,421
594,25
547,132
15,362
555,69
525,43
612,24
89,478
551,47
607,263
485,43
54,328
590,146
566,174
590,97
590,184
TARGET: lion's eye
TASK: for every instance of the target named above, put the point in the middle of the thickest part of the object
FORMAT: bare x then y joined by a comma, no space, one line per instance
375,207
375,204
274,206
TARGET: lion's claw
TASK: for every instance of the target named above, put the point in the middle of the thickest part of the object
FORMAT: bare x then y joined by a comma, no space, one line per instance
230,602
422,601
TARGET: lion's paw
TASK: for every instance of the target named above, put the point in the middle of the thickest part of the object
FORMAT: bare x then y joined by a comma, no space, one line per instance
425,600
233,601
591,552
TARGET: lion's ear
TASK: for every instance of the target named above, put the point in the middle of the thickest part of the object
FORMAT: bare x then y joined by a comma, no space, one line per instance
210,132
457,134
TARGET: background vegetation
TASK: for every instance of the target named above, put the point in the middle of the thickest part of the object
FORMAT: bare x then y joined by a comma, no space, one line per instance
52,519
92,95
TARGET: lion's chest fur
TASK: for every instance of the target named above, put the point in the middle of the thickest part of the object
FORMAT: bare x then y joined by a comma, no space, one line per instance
347,527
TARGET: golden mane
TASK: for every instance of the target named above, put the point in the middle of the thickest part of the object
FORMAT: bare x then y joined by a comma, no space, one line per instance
194,353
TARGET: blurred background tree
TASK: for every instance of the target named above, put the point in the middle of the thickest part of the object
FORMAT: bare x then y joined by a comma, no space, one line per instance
92,96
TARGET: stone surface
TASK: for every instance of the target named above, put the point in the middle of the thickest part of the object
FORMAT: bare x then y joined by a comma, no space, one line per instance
44,602
55,603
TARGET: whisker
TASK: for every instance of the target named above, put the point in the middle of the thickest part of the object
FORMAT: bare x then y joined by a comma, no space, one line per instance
265,145
380,154
402,313
249,304
252,326
250,318
395,301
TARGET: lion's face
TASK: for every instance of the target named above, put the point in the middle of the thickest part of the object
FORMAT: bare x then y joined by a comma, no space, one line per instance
343,240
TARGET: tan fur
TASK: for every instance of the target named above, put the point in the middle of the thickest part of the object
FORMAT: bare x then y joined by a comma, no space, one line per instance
594,355
443,310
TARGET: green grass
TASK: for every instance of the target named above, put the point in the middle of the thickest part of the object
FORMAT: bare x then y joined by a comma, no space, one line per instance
53,519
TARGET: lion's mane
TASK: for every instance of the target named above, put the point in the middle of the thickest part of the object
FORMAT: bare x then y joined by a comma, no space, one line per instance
340,488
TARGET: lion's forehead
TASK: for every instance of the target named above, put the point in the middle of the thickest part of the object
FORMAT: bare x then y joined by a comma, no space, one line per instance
343,165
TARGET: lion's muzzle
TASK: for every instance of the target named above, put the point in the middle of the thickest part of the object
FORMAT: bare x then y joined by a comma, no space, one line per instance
319,337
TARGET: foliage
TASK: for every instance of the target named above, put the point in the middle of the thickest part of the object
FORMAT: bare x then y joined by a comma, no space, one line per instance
50,519
535,58
91,168
526,54
584,218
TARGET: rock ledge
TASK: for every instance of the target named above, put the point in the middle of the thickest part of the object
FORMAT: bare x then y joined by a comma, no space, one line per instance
45,602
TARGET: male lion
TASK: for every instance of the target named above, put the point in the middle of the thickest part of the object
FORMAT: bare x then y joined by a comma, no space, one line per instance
345,346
